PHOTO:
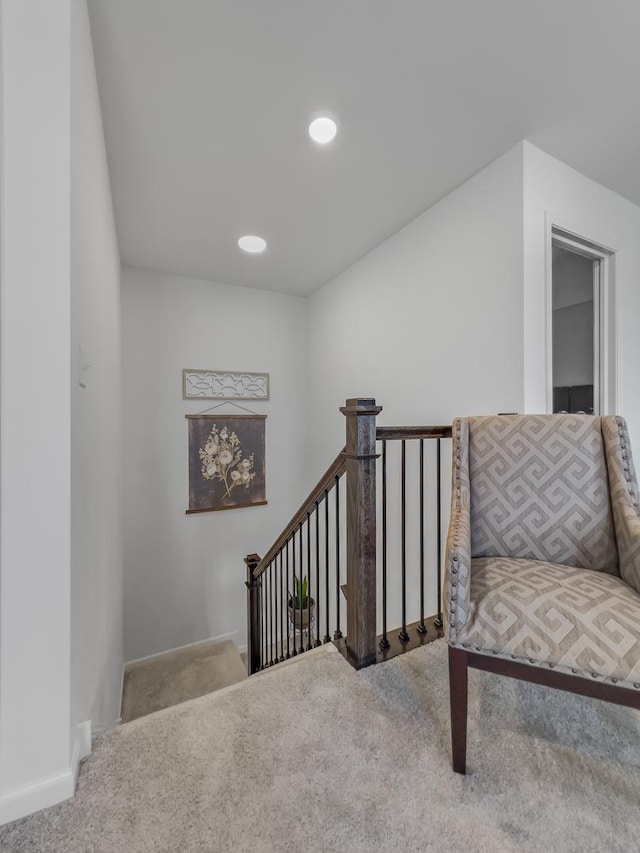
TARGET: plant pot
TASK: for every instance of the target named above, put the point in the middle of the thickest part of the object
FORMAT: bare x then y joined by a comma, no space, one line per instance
300,618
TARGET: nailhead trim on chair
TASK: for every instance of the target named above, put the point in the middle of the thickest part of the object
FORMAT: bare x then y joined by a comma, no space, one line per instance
456,535
532,662
625,462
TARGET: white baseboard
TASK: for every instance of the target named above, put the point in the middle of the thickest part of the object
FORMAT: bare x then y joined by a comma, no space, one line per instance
51,790
83,739
37,795
81,748
219,639
108,727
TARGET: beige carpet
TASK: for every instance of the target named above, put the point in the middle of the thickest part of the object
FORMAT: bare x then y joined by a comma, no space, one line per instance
173,677
316,758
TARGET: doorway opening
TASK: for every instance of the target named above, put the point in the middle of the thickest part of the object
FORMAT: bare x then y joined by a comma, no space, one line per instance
582,325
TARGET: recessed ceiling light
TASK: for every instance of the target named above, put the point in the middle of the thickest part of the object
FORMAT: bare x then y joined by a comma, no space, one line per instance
323,129
252,244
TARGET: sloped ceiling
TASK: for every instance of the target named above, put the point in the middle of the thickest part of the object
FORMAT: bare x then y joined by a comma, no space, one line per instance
206,105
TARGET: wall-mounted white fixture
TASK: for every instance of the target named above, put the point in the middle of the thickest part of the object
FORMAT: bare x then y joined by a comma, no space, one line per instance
323,129
252,244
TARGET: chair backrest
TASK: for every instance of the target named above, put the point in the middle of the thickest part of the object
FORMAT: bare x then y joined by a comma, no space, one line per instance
540,490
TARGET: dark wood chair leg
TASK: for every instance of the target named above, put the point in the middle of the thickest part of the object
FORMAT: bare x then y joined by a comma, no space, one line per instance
458,696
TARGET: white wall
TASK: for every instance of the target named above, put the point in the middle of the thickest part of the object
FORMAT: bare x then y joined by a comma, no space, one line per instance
35,767
184,574
553,192
96,526
430,322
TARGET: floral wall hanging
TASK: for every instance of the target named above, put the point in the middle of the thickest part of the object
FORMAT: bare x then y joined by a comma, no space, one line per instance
226,462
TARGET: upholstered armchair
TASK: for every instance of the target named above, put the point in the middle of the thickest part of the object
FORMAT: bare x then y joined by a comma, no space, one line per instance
542,566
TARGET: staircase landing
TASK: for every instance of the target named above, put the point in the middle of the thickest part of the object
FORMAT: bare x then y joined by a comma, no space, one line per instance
176,676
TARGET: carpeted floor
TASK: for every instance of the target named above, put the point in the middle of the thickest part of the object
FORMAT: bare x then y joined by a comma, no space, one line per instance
173,677
314,756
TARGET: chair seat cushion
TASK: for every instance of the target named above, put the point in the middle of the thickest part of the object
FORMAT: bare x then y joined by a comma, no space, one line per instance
583,622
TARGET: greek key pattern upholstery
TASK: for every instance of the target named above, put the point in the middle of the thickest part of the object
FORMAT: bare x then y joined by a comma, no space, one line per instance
582,622
458,547
540,491
625,501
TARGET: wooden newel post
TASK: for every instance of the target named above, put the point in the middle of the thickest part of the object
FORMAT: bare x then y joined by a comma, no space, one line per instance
360,455
254,618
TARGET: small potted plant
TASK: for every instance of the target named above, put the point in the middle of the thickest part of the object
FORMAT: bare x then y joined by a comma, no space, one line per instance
301,605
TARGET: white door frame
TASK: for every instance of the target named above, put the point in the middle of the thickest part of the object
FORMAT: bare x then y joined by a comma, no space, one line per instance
604,312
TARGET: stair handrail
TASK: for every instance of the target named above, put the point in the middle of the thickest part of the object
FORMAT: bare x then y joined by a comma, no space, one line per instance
390,433
316,496
358,462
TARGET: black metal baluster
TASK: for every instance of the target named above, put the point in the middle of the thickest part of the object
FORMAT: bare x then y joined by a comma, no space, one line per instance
266,617
438,619
422,628
265,583
309,646
282,608
287,596
337,634
317,643
384,642
258,583
271,606
403,633
294,650
257,629
274,584
274,581
263,656
293,590
326,637
267,577
274,594
276,615
299,615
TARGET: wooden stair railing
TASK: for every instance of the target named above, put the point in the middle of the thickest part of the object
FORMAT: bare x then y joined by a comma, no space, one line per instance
310,555
268,590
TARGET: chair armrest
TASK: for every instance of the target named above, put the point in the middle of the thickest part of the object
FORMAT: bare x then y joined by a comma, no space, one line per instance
457,566
625,500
